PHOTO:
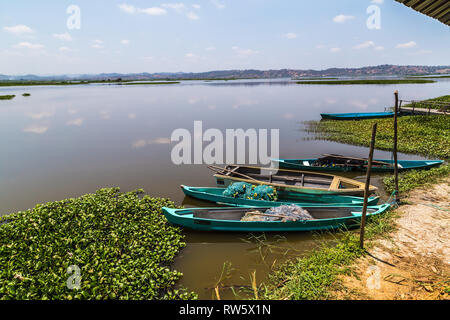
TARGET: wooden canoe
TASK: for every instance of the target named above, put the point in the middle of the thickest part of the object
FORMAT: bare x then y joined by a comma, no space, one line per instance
379,165
301,199
356,115
229,219
291,180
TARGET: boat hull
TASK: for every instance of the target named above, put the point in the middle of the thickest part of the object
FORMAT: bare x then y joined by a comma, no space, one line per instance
302,199
306,164
356,116
187,218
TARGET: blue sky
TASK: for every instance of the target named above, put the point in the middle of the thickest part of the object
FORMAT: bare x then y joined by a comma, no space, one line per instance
194,36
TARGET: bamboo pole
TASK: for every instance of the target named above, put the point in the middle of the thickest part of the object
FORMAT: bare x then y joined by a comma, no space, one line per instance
366,187
395,144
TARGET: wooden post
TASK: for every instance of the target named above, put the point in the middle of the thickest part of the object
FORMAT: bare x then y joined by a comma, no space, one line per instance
366,187
395,144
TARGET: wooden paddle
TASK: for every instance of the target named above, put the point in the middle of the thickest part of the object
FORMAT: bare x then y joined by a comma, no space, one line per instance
221,170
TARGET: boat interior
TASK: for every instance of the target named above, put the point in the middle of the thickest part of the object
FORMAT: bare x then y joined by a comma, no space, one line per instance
237,213
271,175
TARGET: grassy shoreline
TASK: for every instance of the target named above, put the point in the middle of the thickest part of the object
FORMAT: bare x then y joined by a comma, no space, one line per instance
423,104
367,81
424,135
316,276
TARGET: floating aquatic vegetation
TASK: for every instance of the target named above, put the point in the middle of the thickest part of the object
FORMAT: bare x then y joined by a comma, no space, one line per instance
119,244
7,97
426,135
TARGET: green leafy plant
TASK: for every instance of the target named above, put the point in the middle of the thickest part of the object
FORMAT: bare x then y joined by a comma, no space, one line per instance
7,97
416,178
121,243
426,135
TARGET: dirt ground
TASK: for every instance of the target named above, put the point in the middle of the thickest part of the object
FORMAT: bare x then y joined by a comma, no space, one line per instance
414,263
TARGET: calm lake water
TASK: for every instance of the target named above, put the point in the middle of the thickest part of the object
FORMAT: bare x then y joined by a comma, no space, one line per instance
70,140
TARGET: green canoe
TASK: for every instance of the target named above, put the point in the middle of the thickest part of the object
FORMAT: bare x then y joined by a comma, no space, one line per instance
229,219
379,165
357,115
284,197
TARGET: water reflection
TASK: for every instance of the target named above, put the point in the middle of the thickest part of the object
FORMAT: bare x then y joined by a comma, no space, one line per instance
67,141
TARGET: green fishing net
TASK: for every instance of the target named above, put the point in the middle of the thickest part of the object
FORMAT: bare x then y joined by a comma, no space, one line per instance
249,191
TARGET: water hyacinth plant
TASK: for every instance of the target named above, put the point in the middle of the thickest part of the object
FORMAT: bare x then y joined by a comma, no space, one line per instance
426,135
121,243
7,97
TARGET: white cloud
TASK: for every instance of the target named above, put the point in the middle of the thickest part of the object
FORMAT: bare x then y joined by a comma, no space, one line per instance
320,46
75,122
218,4
139,143
190,55
192,16
291,35
378,1
36,129
127,8
64,49
364,45
125,41
244,52
18,29
28,45
244,102
105,115
160,141
379,48
181,9
63,36
143,142
335,49
40,115
342,18
406,45
288,116
359,104
154,11
98,44
212,48
175,6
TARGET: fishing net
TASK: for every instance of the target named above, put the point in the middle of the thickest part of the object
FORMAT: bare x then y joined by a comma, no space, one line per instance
237,190
292,211
248,191
262,192
282,213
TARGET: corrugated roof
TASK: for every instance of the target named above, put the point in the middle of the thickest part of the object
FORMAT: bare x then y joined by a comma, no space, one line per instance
437,9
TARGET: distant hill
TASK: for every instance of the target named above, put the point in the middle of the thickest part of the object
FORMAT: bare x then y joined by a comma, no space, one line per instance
381,70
